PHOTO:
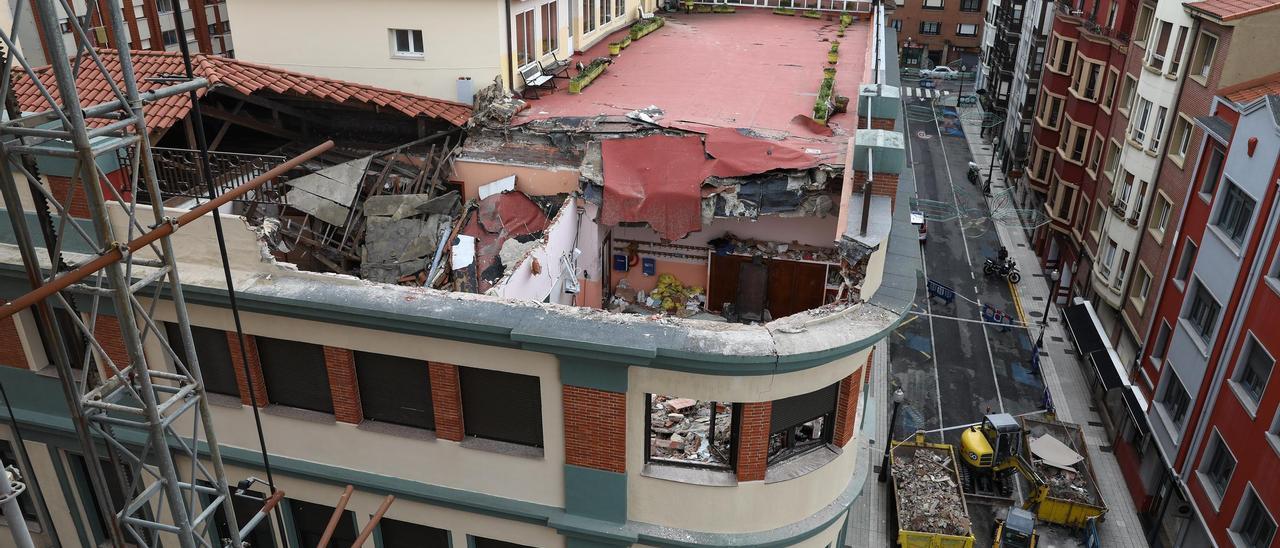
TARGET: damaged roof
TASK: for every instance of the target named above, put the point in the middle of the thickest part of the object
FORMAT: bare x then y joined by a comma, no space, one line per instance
242,76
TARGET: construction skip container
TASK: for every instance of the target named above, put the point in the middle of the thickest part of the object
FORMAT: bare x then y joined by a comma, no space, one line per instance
929,504
1070,495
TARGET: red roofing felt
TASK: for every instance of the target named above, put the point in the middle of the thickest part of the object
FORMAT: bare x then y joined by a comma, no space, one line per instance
1227,10
655,179
244,77
752,70
1246,92
737,155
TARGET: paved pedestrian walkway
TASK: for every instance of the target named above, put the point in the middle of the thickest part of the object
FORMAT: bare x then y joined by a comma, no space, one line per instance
868,517
1059,366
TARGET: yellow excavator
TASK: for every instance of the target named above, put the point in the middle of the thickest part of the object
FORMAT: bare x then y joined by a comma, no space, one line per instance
992,452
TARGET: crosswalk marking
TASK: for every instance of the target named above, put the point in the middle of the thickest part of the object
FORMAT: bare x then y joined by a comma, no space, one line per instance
924,92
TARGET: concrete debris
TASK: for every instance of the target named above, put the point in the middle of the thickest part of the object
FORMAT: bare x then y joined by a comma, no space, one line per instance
929,497
401,206
397,247
318,207
681,430
648,115
495,106
513,251
1067,485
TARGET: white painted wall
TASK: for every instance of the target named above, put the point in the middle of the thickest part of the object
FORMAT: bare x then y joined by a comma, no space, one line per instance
560,240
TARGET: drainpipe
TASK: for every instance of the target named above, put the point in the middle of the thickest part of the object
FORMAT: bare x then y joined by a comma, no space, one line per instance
511,71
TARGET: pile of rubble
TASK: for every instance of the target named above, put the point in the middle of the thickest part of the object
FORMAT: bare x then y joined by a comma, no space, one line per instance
929,499
1067,485
681,429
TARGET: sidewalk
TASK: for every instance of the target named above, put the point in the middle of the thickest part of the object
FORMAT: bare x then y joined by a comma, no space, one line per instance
1060,368
868,517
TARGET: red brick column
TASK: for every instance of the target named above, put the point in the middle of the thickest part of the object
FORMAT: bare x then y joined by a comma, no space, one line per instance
446,401
595,428
11,353
77,205
255,368
876,123
107,331
882,184
341,365
847,407
753,440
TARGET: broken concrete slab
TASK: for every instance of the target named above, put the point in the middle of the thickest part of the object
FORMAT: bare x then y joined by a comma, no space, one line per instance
321,208
513,250
401,206
338,184
395,248
1054,453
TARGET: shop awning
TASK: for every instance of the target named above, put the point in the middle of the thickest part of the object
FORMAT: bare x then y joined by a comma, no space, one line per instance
1086,334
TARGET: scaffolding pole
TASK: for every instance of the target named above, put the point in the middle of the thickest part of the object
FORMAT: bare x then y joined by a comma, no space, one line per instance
153,419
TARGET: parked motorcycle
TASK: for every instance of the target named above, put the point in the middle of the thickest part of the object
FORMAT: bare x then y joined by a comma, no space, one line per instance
974,175
1008,270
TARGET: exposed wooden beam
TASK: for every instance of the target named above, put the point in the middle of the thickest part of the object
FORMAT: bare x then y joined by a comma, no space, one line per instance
268,103
222,131
240,120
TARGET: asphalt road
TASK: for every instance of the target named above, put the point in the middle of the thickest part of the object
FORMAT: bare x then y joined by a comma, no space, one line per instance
953,368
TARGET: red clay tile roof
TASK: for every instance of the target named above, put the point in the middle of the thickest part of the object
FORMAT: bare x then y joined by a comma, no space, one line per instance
1246,92
1233,9
242,76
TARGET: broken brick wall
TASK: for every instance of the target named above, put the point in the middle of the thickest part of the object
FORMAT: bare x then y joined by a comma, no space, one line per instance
76,203
446,401
341,366
238,359
11,353
847,405
595,426
107,332
882,184
753,440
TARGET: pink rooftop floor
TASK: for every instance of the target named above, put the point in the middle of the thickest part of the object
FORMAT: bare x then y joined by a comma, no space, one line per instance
750,69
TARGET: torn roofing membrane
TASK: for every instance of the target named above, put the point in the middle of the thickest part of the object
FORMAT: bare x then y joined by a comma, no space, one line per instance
738,154
655,179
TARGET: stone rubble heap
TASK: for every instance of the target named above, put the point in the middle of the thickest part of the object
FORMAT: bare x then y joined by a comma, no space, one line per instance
1067,485
929,499
680,428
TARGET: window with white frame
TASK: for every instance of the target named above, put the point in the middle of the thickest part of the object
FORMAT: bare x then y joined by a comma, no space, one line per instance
1088,78
1095,153
931,28
606,11
526,41
1062,204
165,6
1142,285
1075,142
966,29
1109,89
1174,398
1181,137
1061,51
1128,92
1273,432
1235,213
1202,311
1213,169
588,15
1041,158
1155,55
1202,55
1139,203
1108,258
1216,468
1253,526
1095,224
1113,159
407,43
1141,116
1160,215
1157,128
1122,194
550,31
1121,267
1253,371
1175,62
933,4
1186,261
1050,112
1142,29
1162,343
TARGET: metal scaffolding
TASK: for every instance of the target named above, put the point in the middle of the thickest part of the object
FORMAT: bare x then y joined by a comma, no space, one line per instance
144,428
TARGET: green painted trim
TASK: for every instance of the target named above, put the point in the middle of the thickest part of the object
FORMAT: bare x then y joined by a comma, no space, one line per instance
68,493
595,494
606,376
286,513
471,541
377,535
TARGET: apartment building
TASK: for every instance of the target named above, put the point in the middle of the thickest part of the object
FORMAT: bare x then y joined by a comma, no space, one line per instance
938,32
438,48
528,395
1206,470
1014,61
150,24
1075,107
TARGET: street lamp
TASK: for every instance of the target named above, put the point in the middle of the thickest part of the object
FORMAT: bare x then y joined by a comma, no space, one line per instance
1044,320
898,397
960,93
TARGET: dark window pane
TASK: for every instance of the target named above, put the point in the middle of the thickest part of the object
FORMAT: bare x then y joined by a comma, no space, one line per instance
246,504
797,410
310,520
295,373
395,389
25,502
402,534
216,363
501,406
481,542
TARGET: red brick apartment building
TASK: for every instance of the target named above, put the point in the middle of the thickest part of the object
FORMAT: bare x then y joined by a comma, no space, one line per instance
937,32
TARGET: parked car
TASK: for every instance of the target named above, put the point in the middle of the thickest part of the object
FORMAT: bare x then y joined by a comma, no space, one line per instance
917,219
940,71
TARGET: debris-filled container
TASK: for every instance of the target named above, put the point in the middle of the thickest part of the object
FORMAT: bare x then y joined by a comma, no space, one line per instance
928,499
1059,455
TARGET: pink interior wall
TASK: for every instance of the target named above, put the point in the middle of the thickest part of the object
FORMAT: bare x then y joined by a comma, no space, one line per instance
529,180
559,239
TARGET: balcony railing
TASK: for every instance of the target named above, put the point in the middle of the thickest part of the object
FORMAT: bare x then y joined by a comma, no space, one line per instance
178,173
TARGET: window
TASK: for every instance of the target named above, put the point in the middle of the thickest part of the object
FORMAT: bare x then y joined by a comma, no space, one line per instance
217,368
1187,260
1175,399
1160,216
1203,312
1181,137
1175,62
1142,29
1088,79
800,423
501,406
606,11
310,521
295,373
1254,370
395,389
550,27
1127,93
246,503
525,37
620,8
589,15
897,25
1138,129
1121,268
1109,89
1050,111
1040,168
1213,171
1162,343
1099,211
1253,526
406,43
1108,258
402,534
966,29
1202,55
1122,197
1216,468
165,6
675,427
1157,129
1095,153
1142,281
1113,159
1235,213
1075,142
930,27
1139,202
933,4
1062,205
970,5
25,502
1155,55
481,542
1060,53
170,37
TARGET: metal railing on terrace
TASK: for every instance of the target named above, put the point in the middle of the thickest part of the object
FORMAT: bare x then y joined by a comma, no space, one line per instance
178,172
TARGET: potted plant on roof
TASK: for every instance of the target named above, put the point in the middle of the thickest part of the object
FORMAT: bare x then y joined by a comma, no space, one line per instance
626,40
588,74
833,55
812,14
846,19
615,48
784,11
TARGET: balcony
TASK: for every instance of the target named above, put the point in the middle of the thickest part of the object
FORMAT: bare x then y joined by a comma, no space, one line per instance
178,174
